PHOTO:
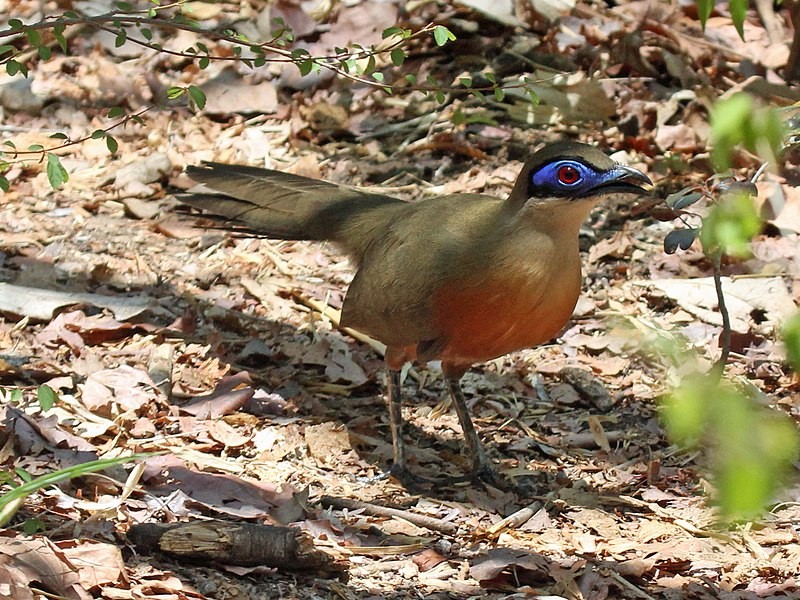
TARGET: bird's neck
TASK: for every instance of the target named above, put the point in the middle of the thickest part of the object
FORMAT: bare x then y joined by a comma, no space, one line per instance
560,220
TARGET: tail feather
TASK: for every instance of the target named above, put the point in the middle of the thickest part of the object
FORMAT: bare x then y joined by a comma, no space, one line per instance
281,205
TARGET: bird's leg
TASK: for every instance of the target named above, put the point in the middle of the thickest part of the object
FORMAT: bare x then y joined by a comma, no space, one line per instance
394,401
399,469
481,467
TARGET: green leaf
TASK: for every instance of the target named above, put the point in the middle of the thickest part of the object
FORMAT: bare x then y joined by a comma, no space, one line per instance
731,225
391,31
112,144
398,57
305,67
175,92
743,487
411,78
147,34
704,8
738,120
442,35
6,48
34,38
44,52
115,112
738,10
11,500
46,396
466,81
15,24
204,62
685,411
440,97
35,148
499,94
33,526
378,76
122,37
679,238
125,7
685,197
751,447
59,136
370,65
754,452
58,33
56,174
98,134
791,337
197,96
4,184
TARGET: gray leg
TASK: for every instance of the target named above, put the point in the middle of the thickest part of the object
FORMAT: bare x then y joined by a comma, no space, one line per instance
474,445
394,402
482,469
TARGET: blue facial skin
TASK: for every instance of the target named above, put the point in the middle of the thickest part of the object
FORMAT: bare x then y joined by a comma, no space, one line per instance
574,179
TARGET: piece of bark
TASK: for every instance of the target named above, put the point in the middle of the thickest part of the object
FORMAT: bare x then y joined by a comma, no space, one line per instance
240,544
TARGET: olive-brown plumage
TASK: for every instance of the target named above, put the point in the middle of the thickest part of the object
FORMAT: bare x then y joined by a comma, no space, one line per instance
462,278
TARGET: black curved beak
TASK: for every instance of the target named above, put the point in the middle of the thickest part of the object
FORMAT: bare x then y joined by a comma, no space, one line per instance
625,179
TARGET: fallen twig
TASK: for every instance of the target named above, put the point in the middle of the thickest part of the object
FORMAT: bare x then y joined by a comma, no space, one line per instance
384,511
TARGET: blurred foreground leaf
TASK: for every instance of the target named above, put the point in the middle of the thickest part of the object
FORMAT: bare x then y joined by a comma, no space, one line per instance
752,447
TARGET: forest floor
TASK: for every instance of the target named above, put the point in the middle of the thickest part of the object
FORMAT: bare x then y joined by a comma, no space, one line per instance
223,355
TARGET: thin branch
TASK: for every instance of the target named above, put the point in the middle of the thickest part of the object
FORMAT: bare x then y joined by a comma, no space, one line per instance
719,366
328,62
125,120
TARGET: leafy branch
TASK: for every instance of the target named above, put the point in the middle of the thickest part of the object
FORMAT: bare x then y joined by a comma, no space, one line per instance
358,64
751,448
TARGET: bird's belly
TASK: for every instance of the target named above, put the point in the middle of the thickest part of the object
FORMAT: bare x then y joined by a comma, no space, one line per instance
483,321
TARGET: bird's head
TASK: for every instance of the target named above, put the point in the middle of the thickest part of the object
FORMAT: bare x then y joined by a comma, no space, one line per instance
572,171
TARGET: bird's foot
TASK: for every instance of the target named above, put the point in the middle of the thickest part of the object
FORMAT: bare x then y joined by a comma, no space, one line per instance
410,480
483,475
486,474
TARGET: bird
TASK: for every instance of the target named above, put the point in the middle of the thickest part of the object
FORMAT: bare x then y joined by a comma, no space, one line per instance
461,278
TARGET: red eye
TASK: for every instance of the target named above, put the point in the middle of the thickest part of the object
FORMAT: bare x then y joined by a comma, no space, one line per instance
568,175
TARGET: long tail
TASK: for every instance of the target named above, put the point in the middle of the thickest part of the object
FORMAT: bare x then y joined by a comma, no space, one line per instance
284,206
